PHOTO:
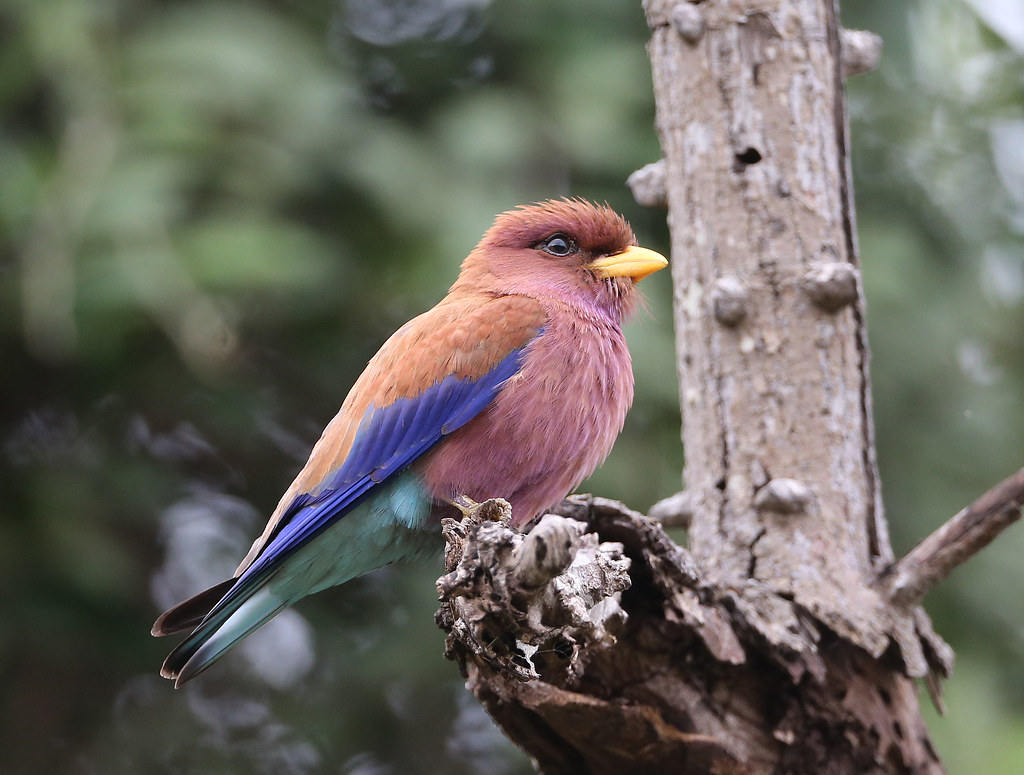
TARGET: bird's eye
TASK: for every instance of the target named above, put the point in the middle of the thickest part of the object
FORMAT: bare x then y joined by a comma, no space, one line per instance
558,245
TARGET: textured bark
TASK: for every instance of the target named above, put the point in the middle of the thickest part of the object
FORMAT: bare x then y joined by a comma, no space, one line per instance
611,652
752,126
779,640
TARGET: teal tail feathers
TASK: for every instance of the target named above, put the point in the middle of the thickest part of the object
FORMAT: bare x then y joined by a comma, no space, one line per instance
220,632
302,558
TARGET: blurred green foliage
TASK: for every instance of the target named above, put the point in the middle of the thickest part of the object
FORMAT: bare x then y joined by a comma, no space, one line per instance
212,214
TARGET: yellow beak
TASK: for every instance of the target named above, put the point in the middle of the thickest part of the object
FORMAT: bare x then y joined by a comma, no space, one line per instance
634,262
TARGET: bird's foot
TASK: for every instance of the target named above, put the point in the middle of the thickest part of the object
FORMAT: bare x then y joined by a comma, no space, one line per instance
490,510
464,504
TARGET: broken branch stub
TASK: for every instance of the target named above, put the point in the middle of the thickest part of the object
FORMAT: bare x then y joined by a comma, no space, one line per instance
528,603
599,646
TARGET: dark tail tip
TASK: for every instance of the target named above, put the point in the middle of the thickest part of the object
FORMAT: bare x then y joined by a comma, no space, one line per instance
187,614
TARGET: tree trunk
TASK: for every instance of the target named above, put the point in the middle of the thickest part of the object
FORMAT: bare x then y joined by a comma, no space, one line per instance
775,643
773,378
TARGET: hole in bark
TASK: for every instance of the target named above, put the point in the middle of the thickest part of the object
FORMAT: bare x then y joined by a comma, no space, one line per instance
542,551
886,697
720,484
926,742
894,756
562,649
643,596
897,729
746,157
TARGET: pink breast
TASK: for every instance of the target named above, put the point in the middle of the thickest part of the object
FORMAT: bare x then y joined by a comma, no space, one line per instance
550,426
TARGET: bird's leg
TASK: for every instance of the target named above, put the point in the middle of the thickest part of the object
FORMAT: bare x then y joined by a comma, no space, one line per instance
466,505
490,510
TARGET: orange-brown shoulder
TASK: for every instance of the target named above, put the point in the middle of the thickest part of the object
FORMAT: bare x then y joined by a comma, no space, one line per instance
463,335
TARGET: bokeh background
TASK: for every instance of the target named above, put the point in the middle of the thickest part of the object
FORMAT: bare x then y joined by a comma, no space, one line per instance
212,213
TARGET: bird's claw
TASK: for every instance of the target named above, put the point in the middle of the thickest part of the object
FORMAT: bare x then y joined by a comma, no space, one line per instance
466,505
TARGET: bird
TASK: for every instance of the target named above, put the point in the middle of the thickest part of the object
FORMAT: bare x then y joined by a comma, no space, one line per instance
515,385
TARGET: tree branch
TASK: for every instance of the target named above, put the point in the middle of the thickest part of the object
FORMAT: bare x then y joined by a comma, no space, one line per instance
970,531
601,647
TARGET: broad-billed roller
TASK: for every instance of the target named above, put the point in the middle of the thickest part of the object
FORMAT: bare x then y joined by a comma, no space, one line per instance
515,386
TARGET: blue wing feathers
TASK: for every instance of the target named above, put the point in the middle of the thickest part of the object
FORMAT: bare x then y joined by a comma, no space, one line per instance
466,412
435,413
388,440
384,435
449,402
428,415
402,436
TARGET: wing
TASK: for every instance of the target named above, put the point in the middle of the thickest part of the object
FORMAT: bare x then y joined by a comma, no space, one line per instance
430,378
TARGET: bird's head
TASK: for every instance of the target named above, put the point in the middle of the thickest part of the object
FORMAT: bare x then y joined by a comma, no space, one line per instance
568,250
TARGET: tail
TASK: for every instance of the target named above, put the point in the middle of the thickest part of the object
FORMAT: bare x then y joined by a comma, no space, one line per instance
229,621
190,613
313,551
